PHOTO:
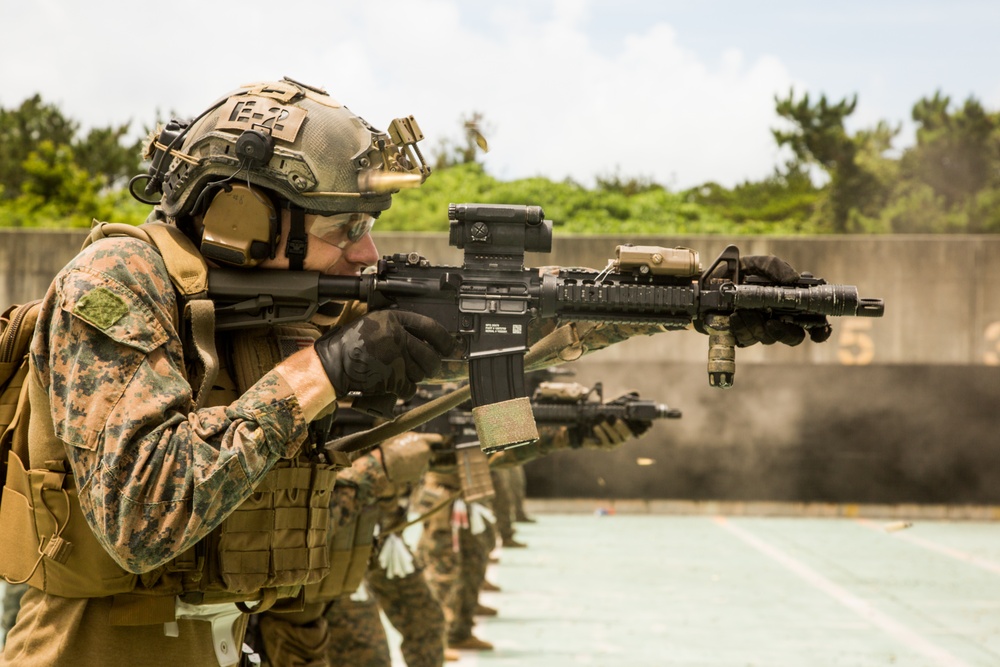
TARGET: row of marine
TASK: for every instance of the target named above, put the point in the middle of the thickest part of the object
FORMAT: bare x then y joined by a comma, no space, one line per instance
169,478
431,597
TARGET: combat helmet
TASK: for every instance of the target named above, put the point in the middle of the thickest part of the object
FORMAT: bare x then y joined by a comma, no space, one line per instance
291,139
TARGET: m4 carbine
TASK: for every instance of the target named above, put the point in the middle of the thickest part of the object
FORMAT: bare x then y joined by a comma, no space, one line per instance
554,404
488,302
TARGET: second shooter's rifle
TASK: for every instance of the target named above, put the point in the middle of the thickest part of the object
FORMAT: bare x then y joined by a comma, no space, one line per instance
567,404
488,302
553,404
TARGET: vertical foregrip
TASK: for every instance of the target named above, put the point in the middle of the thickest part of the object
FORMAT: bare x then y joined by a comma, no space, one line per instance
721,351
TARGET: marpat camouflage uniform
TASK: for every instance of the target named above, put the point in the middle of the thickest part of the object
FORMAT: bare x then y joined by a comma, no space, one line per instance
11,604
503,506
454,576
408,602
519,492
358,636
154,475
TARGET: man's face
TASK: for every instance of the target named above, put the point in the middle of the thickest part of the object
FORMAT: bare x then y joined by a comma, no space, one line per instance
339,245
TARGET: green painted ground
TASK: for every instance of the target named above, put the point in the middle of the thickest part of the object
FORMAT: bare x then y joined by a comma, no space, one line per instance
706,591
700,591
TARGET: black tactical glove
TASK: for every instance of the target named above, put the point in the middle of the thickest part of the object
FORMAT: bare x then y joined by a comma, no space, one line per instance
638,427
609,433
606,435
383,354
754,326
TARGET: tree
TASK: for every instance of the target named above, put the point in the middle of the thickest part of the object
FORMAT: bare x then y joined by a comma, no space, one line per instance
21,131
856,165
104,153
627,185
956,152
52,176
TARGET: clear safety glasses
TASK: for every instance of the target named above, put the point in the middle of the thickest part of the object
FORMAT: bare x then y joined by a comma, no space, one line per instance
341,229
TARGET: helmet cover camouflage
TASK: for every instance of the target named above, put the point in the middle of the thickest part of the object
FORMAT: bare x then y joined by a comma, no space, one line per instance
322,157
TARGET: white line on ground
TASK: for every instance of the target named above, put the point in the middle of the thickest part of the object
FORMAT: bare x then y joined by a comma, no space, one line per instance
971,559
859,606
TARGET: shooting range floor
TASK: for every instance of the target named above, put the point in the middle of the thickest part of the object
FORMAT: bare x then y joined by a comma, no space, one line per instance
718,587
706,589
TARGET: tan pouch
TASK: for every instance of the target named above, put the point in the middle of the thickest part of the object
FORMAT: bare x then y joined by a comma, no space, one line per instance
350,552
474,472
278,536
47,543
432,493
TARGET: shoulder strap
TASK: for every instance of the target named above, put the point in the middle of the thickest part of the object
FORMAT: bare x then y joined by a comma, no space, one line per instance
186,266
189,273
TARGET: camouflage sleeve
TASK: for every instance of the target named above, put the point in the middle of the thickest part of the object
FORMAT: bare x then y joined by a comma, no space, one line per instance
359,486
154,474
579,338
584,338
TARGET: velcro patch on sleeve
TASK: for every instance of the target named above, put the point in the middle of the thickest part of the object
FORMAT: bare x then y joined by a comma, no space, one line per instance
101,307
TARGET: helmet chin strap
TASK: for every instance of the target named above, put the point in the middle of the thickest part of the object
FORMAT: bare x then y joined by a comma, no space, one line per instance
295,249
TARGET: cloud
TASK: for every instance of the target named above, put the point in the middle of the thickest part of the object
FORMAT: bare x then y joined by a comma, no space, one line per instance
651,109
560,106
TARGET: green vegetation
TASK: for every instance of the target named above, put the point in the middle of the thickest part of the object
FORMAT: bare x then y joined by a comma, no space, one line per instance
52,177
573,208
949,181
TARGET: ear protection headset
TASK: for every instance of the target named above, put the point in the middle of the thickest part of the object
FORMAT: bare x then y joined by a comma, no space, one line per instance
241,222
240,226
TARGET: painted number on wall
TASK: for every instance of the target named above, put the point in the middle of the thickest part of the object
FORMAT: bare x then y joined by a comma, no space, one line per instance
992,355
856,345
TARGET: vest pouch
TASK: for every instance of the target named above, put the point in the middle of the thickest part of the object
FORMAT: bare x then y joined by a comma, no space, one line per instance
332,585
279,535
350,551
434,490
47,543
474,473
361,553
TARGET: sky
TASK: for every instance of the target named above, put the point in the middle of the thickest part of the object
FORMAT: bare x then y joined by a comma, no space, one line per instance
677,92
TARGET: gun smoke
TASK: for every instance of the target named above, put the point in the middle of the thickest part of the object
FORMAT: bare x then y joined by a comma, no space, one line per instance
800,433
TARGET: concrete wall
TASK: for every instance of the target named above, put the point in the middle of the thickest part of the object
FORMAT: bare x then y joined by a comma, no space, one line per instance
898,409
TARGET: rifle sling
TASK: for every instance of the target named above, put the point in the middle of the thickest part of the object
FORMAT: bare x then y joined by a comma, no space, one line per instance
405,422
452,497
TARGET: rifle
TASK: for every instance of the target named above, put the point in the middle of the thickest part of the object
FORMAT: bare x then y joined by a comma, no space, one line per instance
554,404
488,302
551,407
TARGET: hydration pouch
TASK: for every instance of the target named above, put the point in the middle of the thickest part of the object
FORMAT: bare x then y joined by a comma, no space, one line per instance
47,543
